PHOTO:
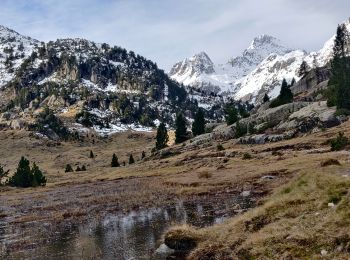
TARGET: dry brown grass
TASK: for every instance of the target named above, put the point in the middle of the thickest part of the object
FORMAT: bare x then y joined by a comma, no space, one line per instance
283,223
296,221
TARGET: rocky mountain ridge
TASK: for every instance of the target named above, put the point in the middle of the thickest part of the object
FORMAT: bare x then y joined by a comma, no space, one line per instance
259,70
108,87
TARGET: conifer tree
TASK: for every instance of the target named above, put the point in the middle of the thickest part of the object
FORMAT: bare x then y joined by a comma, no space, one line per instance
38,176
143,155
292,82
78,169
92,155
23,176
162,137
339,92
131,159
198,126
114,162
285,96
69,168
231,116
304,68
83,168
266,98
27,177
181,129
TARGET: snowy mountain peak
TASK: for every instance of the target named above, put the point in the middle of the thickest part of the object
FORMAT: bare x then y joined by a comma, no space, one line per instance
191,67
266,41
199,71
9,35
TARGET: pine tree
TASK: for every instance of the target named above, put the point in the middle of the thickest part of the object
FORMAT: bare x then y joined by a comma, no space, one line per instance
27,177
69,168
38,177
92,155
162,137
292,82
266,98
143,155
231,116
114,162
285,96
83,168
198,126
304,68
181,129
339,84
23,176
131,159
78,169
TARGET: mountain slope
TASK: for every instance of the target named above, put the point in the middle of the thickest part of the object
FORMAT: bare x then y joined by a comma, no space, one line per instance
108,87
14,49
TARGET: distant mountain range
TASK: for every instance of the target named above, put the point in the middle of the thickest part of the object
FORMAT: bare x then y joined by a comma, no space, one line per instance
260,69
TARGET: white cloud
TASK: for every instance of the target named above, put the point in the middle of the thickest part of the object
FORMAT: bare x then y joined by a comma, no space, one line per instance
167,31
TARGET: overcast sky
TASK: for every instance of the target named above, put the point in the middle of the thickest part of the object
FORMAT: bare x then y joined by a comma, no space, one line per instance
167,31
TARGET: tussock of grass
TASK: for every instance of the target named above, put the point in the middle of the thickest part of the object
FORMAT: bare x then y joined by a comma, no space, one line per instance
205,175
247,156
182,238
329,162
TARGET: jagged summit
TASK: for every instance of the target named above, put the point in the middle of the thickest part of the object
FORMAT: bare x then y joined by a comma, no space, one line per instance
265,40
191,67
199,70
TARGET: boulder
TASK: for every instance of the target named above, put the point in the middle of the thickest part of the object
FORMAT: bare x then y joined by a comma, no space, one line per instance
315,115
262,119
17,124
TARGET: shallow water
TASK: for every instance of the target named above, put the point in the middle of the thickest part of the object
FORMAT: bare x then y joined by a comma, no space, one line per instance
135,235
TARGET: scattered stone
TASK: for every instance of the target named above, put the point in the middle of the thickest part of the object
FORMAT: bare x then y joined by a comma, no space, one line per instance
164,250
324,252
245,193
268,177
331,205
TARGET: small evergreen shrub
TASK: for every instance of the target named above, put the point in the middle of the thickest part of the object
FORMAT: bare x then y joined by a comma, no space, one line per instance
205,175
247,156
68,168
219,147
115,162
131,159
339,142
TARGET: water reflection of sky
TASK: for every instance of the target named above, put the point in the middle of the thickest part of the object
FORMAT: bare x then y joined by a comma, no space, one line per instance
132,236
